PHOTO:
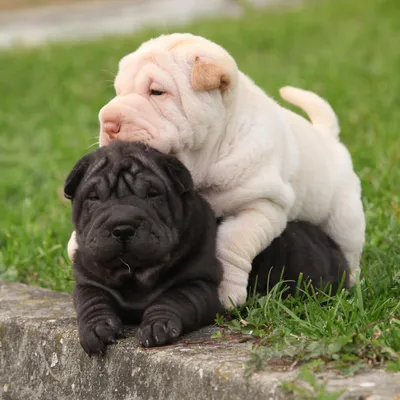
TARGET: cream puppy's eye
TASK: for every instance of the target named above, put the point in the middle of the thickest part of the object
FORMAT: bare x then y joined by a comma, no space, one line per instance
154,92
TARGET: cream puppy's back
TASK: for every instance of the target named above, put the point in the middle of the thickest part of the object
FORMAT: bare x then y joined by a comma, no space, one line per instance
299,153
325,163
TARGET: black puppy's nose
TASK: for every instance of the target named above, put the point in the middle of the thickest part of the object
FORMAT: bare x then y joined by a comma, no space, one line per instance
123,233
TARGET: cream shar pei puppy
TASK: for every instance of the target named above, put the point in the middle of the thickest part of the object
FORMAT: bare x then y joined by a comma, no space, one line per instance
258,164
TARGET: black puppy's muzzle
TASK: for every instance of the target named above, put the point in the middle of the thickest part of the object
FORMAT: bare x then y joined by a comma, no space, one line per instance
127,222
134,232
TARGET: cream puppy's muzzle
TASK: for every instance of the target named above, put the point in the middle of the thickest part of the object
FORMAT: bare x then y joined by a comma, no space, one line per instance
132,117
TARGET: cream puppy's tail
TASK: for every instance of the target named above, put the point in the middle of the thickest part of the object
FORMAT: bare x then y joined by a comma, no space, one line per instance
319,111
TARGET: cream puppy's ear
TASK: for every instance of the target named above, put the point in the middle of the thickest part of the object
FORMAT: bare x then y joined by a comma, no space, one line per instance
208,74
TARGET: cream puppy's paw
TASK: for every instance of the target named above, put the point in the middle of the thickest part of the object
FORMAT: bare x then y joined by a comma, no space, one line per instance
229,292
72,246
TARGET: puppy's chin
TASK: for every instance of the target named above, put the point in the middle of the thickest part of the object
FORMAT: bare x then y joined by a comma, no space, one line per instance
126,267
134,264
162,145
140,136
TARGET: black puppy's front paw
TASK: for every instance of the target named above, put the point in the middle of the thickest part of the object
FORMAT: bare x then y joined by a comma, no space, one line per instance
158,332
96,335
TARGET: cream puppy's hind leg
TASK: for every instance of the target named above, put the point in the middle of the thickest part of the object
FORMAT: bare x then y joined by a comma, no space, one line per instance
72,246
346,221
239,240
346,225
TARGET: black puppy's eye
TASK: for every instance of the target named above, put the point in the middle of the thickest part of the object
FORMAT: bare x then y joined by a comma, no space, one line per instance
152,192
156,92
93,197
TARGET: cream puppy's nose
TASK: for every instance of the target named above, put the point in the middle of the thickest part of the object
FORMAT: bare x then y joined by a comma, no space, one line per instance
111,120
111,128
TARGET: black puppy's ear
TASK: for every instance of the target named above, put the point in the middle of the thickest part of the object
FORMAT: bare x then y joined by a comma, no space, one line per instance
75,176
180,175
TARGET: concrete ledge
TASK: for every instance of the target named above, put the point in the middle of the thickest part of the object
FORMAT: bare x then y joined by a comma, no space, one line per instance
41,358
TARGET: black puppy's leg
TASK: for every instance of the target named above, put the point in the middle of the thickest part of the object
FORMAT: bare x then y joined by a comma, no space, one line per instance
179,311
99,324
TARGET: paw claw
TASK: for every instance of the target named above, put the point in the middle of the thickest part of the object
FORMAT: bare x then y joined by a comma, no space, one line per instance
95,337
159,332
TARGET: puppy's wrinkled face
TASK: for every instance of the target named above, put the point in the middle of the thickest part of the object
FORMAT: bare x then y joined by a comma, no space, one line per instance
171,94
127,206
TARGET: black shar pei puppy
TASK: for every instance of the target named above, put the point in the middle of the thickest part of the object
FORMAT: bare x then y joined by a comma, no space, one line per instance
146,249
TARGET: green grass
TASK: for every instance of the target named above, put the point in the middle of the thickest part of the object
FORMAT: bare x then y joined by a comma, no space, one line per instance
347,51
